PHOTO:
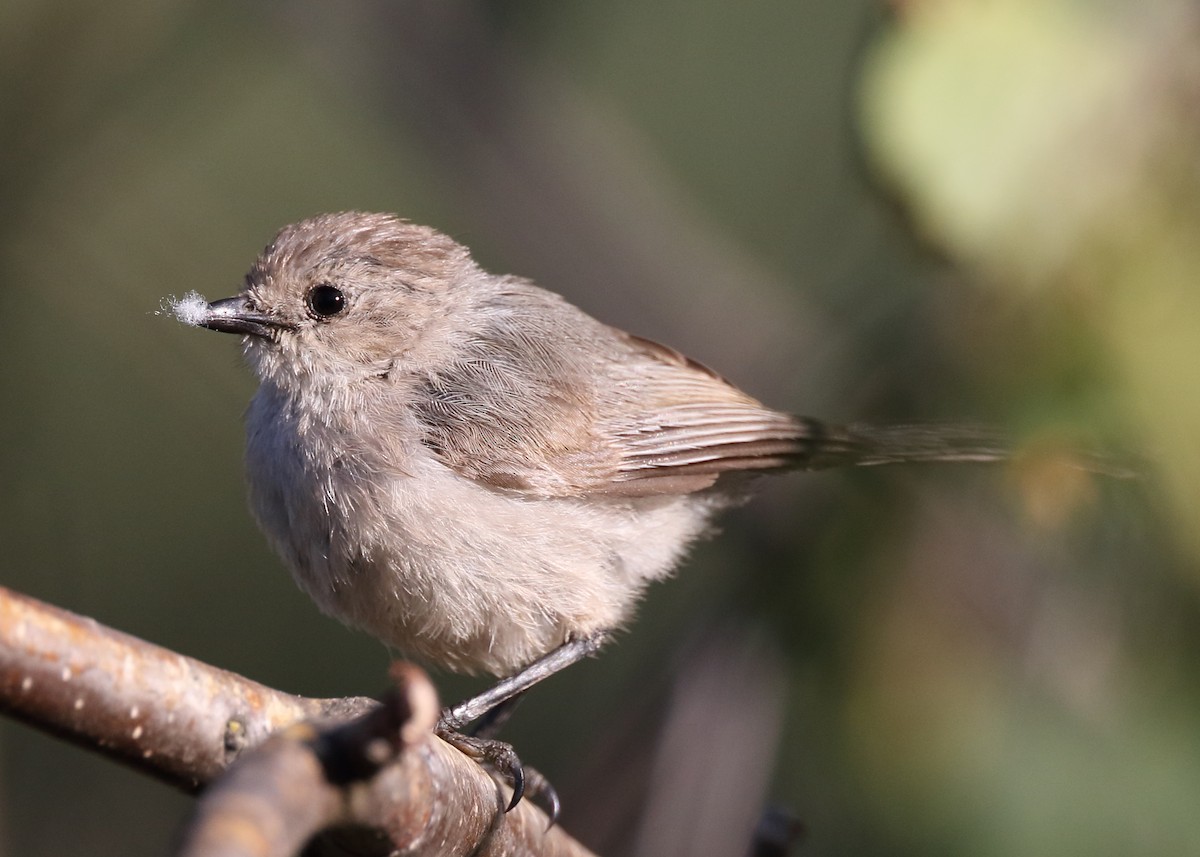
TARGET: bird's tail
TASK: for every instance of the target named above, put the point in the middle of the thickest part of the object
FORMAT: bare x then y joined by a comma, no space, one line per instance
867,445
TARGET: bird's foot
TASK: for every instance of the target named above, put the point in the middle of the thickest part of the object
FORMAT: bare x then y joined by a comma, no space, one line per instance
502,758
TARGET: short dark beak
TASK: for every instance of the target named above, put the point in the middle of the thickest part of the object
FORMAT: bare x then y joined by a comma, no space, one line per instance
234,315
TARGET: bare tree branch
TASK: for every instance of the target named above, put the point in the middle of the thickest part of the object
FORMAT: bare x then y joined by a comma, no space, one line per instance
171,716
384,774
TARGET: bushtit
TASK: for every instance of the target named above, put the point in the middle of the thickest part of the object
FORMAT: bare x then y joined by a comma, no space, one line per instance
472,469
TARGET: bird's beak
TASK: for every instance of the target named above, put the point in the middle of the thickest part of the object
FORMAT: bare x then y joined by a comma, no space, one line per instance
234,315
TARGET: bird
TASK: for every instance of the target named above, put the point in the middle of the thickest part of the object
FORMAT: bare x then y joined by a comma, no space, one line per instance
478,473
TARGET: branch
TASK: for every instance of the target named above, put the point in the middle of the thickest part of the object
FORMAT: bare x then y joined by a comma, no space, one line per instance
170,716
382,771
184,721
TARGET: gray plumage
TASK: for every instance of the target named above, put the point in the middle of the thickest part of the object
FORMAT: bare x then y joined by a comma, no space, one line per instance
472,469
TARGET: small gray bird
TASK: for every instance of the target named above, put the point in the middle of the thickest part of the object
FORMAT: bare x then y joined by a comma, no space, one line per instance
475,471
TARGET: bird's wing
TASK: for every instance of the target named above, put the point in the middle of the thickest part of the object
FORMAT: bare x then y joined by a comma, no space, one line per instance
681,422
583,409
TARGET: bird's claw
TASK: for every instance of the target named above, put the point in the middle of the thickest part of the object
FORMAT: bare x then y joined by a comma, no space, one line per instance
503,759
542,792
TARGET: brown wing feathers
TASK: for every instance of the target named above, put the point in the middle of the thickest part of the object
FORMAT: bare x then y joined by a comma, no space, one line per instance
716,438
646,421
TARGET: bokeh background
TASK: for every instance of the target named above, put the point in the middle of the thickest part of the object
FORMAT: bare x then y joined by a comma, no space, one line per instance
933,209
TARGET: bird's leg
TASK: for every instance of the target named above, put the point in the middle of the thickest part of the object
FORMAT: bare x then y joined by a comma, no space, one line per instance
490,724
568,653
497,703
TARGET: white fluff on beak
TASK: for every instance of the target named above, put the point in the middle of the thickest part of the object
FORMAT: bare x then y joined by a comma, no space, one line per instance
191,309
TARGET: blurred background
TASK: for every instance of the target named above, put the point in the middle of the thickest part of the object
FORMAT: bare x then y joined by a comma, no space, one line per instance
928,210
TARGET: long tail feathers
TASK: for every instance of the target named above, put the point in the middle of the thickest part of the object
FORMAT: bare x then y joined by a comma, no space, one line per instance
868,445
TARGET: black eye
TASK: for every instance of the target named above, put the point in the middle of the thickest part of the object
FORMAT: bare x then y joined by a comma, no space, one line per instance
326,301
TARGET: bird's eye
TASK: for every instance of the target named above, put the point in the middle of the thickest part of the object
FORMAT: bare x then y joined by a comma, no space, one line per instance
326,301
